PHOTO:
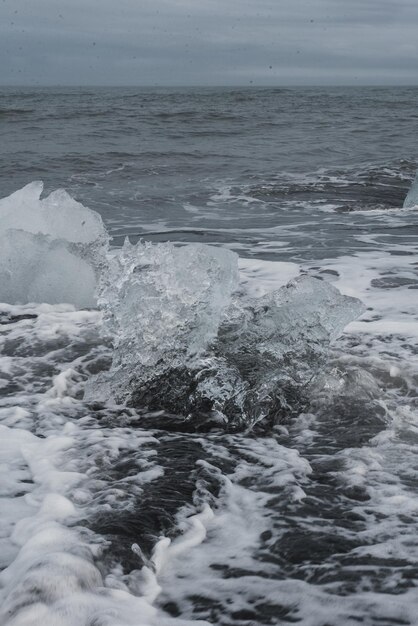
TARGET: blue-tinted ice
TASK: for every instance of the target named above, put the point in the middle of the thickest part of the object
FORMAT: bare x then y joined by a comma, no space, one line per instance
51,249
187,341
411,199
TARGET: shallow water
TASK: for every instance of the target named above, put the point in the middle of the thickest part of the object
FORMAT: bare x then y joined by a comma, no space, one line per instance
313,521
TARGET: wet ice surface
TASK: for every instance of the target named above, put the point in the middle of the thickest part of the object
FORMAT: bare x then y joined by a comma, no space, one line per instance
162,307
188,339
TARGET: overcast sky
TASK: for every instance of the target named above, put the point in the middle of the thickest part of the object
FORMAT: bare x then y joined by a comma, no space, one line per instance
208,42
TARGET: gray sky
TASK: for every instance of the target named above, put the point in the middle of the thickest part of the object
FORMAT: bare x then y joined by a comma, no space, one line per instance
208,42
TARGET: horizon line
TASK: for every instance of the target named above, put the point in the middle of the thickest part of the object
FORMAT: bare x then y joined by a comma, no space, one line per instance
209,86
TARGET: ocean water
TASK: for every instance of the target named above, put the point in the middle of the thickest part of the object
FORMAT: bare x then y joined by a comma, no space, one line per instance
133,509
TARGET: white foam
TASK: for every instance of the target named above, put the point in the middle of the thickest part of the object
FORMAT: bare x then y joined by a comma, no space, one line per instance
49,572
260,277
391,310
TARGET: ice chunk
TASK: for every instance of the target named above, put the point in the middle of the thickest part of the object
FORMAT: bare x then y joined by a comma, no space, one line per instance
162,307
36,268
51,250
185,343
57,215
411,199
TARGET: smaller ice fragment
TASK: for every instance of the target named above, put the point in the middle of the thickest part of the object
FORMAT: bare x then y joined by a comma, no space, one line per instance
51,249
411,199
36,268
58,215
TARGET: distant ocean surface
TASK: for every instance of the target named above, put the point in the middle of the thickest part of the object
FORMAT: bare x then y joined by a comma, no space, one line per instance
198,164
118,516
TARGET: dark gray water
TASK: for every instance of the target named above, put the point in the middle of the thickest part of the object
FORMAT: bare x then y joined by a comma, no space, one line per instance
210,160
313,521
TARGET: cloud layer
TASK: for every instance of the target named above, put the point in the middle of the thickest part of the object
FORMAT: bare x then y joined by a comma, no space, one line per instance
208,42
